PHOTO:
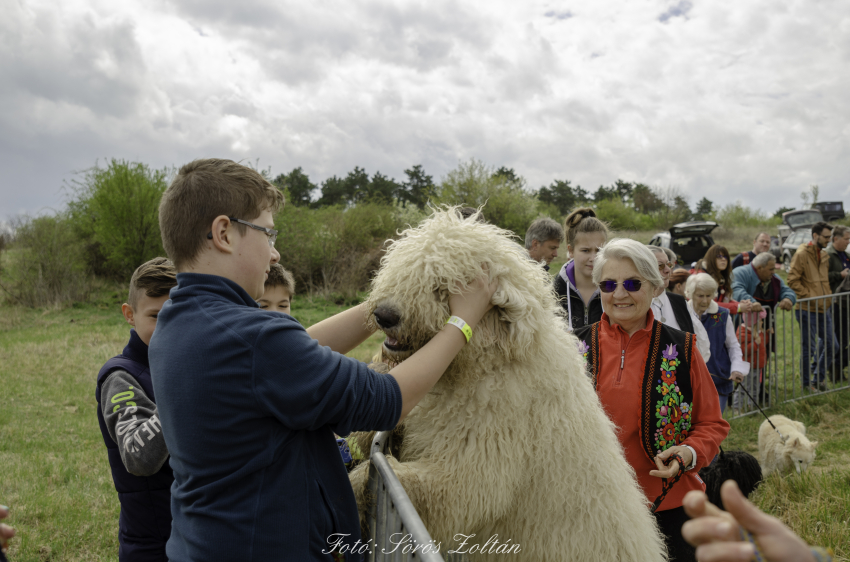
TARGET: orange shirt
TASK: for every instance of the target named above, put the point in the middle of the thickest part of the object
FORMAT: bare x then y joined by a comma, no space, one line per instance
622,361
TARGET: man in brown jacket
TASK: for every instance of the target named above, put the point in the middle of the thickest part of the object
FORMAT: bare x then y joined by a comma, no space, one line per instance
809,277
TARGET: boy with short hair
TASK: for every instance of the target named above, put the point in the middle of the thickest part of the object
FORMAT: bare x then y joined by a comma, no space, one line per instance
127,416
249,399
279,290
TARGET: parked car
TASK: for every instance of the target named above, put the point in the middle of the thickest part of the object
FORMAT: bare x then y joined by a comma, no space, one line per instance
791,244
831,210
689,240
797,220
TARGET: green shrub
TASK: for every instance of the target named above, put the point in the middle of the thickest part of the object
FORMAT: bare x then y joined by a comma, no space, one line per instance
335,249
737,215
46,263
115,211
622,217
506,203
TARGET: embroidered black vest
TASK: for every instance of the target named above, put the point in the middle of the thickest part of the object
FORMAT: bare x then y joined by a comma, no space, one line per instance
666,393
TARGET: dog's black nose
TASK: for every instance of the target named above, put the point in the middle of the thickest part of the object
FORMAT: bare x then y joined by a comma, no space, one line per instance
386,317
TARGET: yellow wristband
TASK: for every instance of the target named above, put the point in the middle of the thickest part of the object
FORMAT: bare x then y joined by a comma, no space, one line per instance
463,326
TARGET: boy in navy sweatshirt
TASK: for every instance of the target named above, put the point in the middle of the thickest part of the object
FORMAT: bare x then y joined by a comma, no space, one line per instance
128,420
250,400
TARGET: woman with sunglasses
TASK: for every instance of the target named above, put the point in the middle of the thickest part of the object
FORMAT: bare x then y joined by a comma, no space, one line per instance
653,384
716,263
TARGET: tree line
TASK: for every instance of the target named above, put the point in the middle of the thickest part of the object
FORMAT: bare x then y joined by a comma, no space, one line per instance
331,233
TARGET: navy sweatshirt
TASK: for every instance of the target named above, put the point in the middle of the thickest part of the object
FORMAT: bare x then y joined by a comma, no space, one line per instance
249,404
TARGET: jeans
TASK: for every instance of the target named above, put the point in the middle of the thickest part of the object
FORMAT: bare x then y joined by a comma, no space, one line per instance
840,321
814,325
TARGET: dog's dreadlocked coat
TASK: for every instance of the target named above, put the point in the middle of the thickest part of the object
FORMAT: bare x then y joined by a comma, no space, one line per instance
512,440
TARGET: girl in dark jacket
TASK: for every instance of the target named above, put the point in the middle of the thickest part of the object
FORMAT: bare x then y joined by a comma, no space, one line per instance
585,235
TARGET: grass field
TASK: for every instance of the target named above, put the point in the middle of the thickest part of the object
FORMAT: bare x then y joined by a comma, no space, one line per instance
55,476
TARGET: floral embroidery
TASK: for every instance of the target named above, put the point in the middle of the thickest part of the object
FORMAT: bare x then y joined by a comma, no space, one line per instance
672,414
715,319
583,348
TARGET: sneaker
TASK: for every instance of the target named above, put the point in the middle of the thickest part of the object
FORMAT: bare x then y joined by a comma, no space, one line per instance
822,386
812,388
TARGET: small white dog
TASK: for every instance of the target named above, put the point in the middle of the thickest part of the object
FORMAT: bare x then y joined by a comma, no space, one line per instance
786,448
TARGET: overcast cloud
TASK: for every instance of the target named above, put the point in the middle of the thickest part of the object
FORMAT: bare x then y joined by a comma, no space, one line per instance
730,100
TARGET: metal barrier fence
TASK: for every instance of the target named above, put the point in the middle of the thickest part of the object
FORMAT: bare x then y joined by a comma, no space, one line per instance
396,532
805,356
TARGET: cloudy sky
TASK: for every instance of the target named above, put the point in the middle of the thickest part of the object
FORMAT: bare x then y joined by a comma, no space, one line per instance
743,99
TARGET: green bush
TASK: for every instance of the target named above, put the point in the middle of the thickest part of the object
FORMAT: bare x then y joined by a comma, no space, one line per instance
506,203
115,211
335,249
622,217
46,264
737,215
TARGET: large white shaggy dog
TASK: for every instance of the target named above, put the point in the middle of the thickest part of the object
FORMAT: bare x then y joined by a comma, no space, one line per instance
512,441
789,451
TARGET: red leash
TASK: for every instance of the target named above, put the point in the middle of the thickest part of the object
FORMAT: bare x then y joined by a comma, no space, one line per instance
667,483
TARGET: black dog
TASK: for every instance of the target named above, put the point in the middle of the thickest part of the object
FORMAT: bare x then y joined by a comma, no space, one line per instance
739,466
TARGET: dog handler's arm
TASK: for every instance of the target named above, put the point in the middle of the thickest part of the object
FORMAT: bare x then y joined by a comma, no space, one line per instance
421,371
344,331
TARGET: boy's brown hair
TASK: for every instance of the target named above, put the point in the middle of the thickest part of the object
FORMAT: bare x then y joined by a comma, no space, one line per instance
203,190
155,277
280,277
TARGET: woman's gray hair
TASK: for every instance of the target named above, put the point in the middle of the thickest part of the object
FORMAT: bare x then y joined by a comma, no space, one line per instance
702,281
635,252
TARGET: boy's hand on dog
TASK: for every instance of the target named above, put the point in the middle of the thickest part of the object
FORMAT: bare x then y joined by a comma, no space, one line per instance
717,535
474,300
667,471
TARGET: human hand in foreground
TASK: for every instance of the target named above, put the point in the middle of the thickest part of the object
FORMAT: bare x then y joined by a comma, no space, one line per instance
736,376
785,304
670,470
755,306
745,306
6,532
473,302
717,535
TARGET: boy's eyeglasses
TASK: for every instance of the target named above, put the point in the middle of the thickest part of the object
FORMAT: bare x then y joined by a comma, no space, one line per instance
270,232
630,285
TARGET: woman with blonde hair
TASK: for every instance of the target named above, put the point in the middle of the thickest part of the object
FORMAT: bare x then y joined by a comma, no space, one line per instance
653,384
584,234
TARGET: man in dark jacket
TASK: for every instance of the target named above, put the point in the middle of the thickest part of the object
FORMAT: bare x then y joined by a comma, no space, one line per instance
672,309
761,244
839,268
